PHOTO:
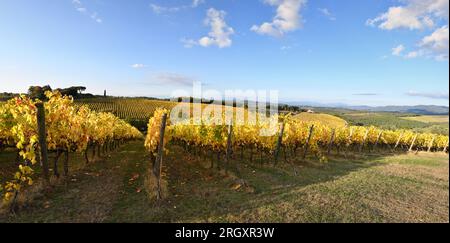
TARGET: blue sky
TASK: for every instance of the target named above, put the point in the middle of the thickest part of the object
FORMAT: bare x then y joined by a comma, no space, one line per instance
371,52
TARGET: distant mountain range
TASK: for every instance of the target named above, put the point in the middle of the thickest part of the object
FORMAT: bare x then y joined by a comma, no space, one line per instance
418,109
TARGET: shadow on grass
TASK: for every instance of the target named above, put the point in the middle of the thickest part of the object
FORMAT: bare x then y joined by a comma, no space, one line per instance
201,194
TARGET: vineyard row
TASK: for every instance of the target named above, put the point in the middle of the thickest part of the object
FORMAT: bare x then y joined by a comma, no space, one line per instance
36,128
291,137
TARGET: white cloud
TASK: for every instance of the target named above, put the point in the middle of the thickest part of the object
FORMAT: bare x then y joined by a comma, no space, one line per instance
397,51
196,3
158,9
172,79
419,14
286,20
399,17
138,66
413,54
434,46
82,9
189,43
416,14
437,43
366,94
431,95
327,13
95,17
220,34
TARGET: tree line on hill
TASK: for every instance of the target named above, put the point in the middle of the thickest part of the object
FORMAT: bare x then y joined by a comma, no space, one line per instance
38,92
76,92
240,103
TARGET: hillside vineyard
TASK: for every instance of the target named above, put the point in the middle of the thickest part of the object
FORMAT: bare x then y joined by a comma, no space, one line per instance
71,127
292,136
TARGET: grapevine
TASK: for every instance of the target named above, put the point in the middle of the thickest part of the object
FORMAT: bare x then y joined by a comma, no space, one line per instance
70,128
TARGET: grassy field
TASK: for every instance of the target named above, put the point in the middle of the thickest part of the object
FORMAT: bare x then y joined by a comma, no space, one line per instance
393,121
369,188
381,119
429,119
329,120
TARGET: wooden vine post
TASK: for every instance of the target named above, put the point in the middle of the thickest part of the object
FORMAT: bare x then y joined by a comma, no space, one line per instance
349,142
311,131
445,147
398,140
430,146
361,146
159,157
279,143
350,137
66,163
412,143
378,139
229,147
42,140
330,144
55,163
86,156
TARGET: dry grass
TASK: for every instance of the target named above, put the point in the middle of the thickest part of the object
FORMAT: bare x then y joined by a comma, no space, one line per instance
429,119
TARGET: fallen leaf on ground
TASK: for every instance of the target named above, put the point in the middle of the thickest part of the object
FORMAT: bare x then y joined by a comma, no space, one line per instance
236,187
47,204
135,177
